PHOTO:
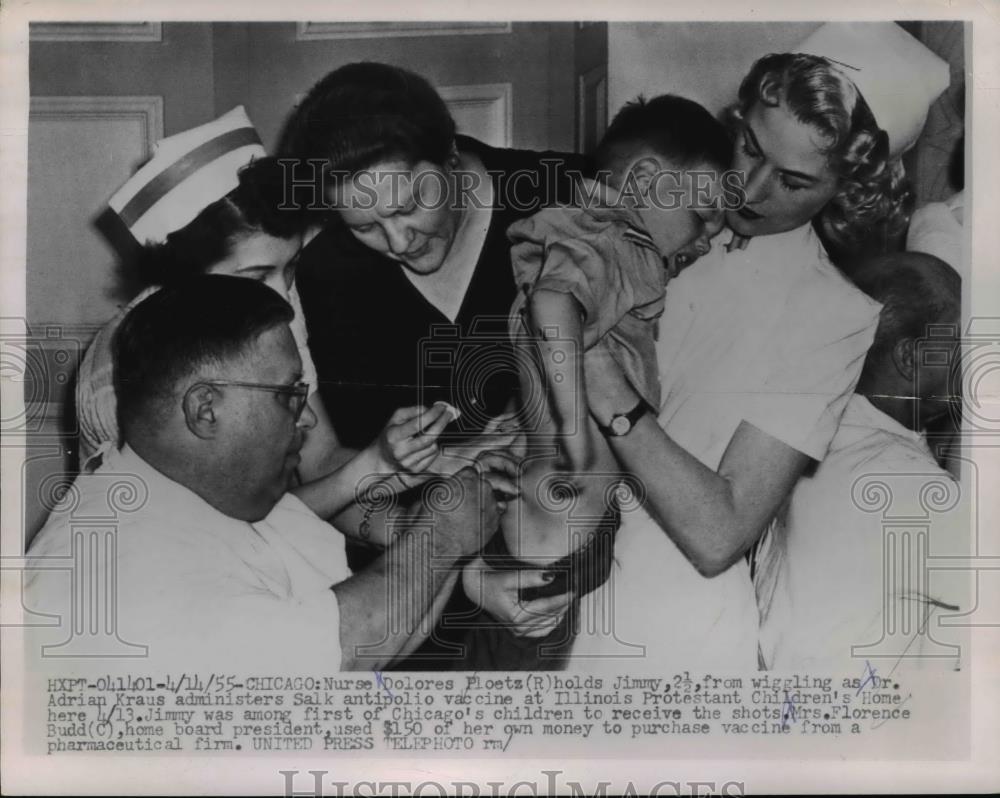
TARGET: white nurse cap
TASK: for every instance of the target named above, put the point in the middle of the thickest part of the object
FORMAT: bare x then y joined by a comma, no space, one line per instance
897,75
187,172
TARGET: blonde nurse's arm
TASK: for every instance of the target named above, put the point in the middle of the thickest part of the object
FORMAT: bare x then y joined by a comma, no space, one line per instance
712,516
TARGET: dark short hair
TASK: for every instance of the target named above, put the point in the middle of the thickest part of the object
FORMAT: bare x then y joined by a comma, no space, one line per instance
915,289
364,113
678,129
174,332
256,205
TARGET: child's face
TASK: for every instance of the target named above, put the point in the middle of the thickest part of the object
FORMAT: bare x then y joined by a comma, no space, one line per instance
682,214
712,223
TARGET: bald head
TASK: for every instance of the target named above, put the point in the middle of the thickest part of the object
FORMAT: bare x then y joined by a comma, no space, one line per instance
916,291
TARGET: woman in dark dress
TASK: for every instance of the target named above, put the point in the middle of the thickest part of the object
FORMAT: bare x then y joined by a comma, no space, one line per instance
406,290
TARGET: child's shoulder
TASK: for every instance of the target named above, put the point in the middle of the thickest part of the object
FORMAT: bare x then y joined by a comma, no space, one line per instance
569,222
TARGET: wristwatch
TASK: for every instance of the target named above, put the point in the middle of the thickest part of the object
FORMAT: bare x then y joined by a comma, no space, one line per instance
622,423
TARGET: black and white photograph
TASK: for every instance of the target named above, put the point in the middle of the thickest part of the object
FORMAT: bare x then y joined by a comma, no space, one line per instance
475,401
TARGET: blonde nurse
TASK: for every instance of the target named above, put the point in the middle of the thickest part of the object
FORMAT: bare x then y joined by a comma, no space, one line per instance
760,347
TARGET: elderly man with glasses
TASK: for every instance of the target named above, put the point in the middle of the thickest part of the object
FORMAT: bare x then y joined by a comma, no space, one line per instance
216,566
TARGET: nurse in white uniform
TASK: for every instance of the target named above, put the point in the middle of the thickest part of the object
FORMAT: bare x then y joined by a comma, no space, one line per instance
760,347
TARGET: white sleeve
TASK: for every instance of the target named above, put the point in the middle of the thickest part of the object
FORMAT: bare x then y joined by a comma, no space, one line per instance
935,231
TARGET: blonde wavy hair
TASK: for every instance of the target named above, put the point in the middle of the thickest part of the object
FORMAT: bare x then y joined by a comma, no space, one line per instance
873,199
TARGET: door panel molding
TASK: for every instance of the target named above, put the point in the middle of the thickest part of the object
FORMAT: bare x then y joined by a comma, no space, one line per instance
148,110
95,32
591,108
310,31
487,106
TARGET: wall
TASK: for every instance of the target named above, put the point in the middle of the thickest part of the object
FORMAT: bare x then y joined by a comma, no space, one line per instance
931,159
704,61
85,139
591,67
267,65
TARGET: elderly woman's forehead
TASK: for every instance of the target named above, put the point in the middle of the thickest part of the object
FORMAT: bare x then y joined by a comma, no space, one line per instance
398,169
386,184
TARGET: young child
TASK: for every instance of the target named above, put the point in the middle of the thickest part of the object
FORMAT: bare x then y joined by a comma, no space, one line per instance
597,272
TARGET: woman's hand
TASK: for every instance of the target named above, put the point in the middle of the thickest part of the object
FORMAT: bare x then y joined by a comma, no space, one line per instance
608,390
497,592
501,470
409,441
500,433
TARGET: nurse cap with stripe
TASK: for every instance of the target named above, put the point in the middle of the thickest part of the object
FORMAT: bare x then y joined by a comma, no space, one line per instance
188,172
895,73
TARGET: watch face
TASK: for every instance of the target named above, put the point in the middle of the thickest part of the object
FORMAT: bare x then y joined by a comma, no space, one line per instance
620,425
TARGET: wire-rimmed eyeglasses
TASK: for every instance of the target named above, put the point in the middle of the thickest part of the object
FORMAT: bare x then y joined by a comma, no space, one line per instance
297,393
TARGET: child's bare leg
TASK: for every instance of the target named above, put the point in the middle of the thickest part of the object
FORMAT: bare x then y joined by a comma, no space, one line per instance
557,511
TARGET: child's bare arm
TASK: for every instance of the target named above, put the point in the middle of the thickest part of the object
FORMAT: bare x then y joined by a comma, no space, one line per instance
556,319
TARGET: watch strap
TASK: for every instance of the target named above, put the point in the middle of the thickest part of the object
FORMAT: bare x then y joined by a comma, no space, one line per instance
632,416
